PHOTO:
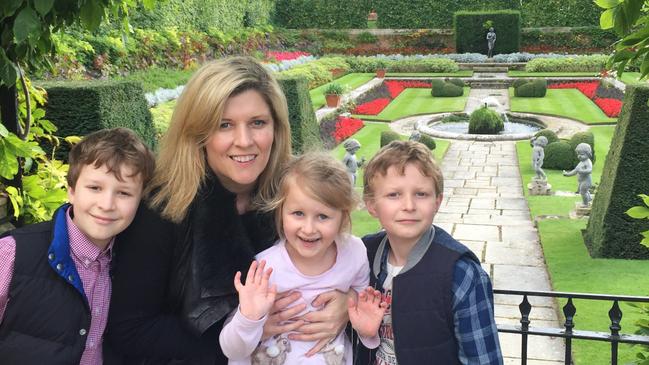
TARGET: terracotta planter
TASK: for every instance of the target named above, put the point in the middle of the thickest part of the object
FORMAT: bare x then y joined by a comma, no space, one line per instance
333,100
337,72
380,73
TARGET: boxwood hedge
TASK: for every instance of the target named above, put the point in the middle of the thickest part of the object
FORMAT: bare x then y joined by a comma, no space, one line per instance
471,28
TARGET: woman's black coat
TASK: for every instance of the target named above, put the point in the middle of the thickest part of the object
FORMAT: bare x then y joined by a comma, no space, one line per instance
173,283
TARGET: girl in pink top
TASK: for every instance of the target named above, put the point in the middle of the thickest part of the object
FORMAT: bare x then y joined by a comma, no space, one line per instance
315,254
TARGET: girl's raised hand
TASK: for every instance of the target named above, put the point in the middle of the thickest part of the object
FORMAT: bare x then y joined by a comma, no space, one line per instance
255,297
367,312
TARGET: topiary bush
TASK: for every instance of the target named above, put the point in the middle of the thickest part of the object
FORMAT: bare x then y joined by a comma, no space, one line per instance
389,136
531,89
610,231
519,82
549,134
558,156
485,121
457,82
441,88
428,141
582,137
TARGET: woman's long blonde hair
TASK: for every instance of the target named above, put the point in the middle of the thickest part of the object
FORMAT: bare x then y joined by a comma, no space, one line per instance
181,166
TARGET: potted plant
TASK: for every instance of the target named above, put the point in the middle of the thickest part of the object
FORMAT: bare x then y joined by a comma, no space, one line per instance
380,68
332,92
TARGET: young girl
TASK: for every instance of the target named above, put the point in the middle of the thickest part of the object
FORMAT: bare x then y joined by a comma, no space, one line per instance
315,254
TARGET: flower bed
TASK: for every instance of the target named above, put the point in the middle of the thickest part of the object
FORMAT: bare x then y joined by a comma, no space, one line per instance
280,56
394,88
345,127
608,101
610,107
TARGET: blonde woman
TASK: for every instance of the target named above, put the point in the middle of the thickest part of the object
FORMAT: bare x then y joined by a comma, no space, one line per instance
173,278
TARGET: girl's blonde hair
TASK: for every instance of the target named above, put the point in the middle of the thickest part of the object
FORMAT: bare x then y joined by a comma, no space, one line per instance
181,166
321,177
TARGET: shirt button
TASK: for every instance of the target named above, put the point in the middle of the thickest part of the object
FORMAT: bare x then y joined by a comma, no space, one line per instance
59,267
50,256
82,332
70,278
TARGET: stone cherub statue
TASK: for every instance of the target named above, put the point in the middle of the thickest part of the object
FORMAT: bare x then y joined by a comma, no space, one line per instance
491,41
538,154
415,136
351,146
583,171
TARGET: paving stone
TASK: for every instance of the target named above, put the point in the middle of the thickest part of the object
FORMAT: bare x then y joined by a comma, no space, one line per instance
515,233
513,256
443,217
476,232
476,246
512,203
453,183
447,226
464,175
539,347
517,299
454,209
537,313
517,361
480,184
507,181
478,219
521,277
464,191
478,203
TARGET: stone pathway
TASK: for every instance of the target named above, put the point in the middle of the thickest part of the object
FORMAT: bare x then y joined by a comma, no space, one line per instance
485,209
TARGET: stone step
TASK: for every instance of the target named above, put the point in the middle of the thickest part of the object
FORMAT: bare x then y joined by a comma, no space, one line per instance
490,68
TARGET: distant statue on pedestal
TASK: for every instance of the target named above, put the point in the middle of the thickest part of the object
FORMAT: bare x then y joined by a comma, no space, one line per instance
491,41
583,170
539,184
352,146
538,154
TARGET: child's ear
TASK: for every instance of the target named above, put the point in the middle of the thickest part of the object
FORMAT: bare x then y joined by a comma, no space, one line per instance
70,194
371,207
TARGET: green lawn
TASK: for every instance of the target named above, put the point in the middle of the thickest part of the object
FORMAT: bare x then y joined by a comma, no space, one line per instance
463,73
369,137
514,73
570,103
571,268
631,78
349,81
161,114
419,101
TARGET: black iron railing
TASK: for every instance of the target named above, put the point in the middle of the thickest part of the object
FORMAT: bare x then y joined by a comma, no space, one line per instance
568,332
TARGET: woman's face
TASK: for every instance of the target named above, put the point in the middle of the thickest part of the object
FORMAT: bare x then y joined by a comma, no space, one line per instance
239,150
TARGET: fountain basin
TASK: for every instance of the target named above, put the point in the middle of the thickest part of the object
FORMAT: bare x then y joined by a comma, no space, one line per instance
519,127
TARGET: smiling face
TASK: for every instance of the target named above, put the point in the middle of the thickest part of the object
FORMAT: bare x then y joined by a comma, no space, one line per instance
405,204
104,206
239,150
310,228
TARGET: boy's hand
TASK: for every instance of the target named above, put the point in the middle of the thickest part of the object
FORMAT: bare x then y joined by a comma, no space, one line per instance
255,297
367,313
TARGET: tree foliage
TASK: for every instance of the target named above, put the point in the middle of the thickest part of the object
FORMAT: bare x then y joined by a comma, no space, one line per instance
630,21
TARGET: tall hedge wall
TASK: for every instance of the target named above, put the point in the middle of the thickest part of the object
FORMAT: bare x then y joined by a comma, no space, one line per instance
201,15
470,32
305,132
82,107
411,14
324,14
610,232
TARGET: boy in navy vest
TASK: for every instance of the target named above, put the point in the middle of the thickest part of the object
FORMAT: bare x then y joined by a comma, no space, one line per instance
54,276
440,299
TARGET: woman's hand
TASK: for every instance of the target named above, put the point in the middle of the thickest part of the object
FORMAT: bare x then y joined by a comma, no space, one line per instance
324,325
255,296
279,315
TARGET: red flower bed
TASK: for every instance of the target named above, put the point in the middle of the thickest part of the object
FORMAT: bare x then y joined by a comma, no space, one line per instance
346,127
396,87
587,88
373,107
284,56
610,107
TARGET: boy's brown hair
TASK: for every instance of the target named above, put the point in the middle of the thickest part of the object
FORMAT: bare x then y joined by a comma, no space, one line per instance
112,148
399,154
320,176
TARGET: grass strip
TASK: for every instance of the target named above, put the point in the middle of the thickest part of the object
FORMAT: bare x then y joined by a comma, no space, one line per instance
419,101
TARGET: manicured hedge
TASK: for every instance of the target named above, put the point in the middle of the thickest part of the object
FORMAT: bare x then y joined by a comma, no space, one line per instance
305,132
485,121
389,136
442,88
531,88
558,156
82,107
428,141
582,137
202,15
549,134
324,14
438,13
610,232
471,31
591,63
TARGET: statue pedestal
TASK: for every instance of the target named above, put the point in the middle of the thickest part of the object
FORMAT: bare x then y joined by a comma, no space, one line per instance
539,187
580,211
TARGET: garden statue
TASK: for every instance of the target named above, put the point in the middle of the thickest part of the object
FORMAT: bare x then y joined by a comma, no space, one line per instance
415,136
351,146
491,41
538,154
583,171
